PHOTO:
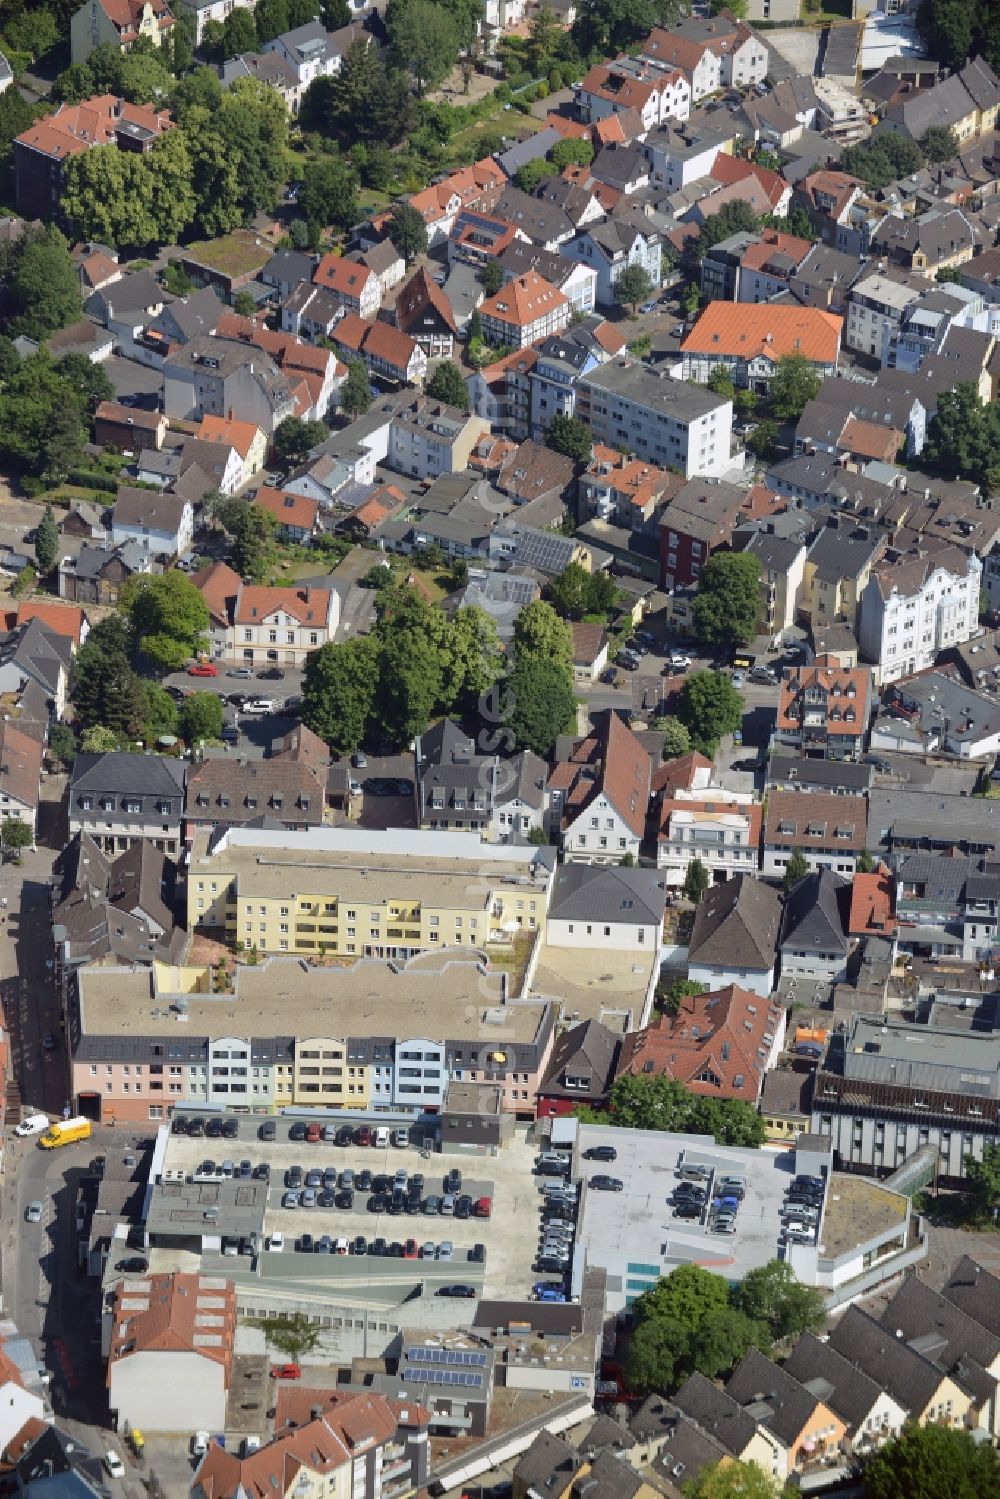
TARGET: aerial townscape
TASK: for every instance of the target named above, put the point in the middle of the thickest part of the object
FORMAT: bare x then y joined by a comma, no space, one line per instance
499,749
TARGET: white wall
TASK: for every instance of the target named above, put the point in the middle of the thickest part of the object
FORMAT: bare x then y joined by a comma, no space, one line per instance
611,936
720,978
180,1391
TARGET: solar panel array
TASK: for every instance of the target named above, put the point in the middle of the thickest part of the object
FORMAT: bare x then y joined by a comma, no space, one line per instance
451,1356
445,1377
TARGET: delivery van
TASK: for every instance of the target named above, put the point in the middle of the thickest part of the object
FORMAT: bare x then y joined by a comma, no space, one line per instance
33,1125
65,1132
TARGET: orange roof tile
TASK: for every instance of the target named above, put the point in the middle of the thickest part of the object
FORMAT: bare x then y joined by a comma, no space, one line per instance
611,340
288,351
175,1313
383,341
419,293
755,257
873,904
569,129
870,440
729,169
92,122
715,1045
219,586
847,691
612,761
226,429
745,331
677,51
255,602
62,619
346,277
675,774
523,300
288,509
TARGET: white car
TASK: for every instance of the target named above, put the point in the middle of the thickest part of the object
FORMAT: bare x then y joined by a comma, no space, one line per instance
199,1443
114,1464
276,1243
260,706
680,658
33,1212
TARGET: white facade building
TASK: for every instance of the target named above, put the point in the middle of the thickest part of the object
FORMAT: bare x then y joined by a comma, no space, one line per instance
916,606
659,419
720,828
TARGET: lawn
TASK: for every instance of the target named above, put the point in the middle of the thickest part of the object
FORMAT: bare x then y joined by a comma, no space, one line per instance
510,122
237,254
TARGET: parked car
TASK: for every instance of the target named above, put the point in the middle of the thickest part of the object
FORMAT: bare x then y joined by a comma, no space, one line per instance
286,1371
607,1184
601,1153
136,1264
466,1292
114,1465
203,669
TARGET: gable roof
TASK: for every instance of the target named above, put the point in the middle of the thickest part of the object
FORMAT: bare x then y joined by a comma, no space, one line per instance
847,1390
66,620
256,602
816,820
153,510
873,904
717,1044
767,329
595,892
219,586
20,764
938,1328
588,1045
815,910
523,300
736,925
226,429
174,1313
345,277
145,775
717,1413
417,296
787,1405
907,1375
609,761
975,1291
288,509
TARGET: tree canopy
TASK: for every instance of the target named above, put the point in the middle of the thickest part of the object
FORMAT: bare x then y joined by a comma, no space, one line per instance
648,1101
688,1322
201,717
926,1462
772,1294
407,231
43,288
982,1180
794,383
711,707
633,286
727,609
539,703
167,615
338,691
576,592
882,159
295,439
424,39
963,437
447,384
538,631
570,436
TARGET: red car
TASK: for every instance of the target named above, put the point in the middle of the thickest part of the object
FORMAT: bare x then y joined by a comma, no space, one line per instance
410,1250
203,669
286,1371
484,1207
313,1134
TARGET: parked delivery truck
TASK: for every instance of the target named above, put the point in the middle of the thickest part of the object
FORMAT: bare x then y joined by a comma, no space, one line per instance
65,1132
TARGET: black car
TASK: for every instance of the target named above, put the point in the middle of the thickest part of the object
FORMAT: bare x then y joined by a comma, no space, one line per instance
363,1180
268,1130
416,1180
345,1198
382,1182
360,1245
262,1172
690,1190
379,1247
196,1128
345,1135
601,1153
607,1184
293,1176
688,1210
179,1125
307,1244
463,1207
213,1129
271,674
134,1265
378,1202
397,1204
465,1292
230,1128
395,1250
246,1170
453,1181
477,1254
297,1132
326,1198
207,1168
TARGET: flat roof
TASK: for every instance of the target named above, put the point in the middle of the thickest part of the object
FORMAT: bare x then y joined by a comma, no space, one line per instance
594,986
188,1209
858,1210
640,1229
455,870
289,997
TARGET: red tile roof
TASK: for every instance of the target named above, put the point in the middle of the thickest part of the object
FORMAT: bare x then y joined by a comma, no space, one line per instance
288,509
745,331
816,820
728,169
416,295
873,904
62,619
226,429
93,122
679,773
175,1313
256,601
749,812
717,1045
219,586
847,691
346,277
609,761
523,301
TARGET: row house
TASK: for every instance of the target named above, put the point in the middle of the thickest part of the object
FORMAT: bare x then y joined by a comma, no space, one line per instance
459,788
501,393
296,518
824,709
287,788
350,283
829,831
475,187
782,569
576,281
100,23
271,625
918,602
948,907
719,828
615,245
696,61
741,54
625,491
121,799
561,362
424,313
314,375
599,796
630,83
523,311
701,517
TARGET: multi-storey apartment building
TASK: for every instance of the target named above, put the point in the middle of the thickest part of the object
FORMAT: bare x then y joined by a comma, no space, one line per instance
375,1035
718,827
525,310
119,799
918,602
823,709
281,624
876,307
348,892
661,420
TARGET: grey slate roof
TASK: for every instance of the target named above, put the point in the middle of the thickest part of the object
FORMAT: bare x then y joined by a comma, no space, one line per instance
736,925
550,1463
156,510
533,149
844,553
975,1291
848,1391
717,1413
118,773
588,1049
936,819
816,911
908,1376
937,1328
590,892
786,1407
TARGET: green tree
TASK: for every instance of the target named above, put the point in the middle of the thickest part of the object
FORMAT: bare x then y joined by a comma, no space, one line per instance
983,1184
865,863
539,632
745,402
724,1337
338,692
528,177
423,40
794,384
727,609
335,14
676,739
733,1481
939,143
475,658
161,711
62,744
356,392
773,1295
43,288
239,34
47,542
200,89
570,436
648,1101
14,835
295,439
237,154
567,593
41,421
99,740
408,232
254,550
963,436
657,1355
491,276
687,1295
671,998
763,439
244,304
329,193
446,384
632,286
734,217
696,881
882,159
926,1462
167,615
796,869
544,38
711,707
270,19
88,382
574,151
721,382
611,26
946,27
539,703
201,717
